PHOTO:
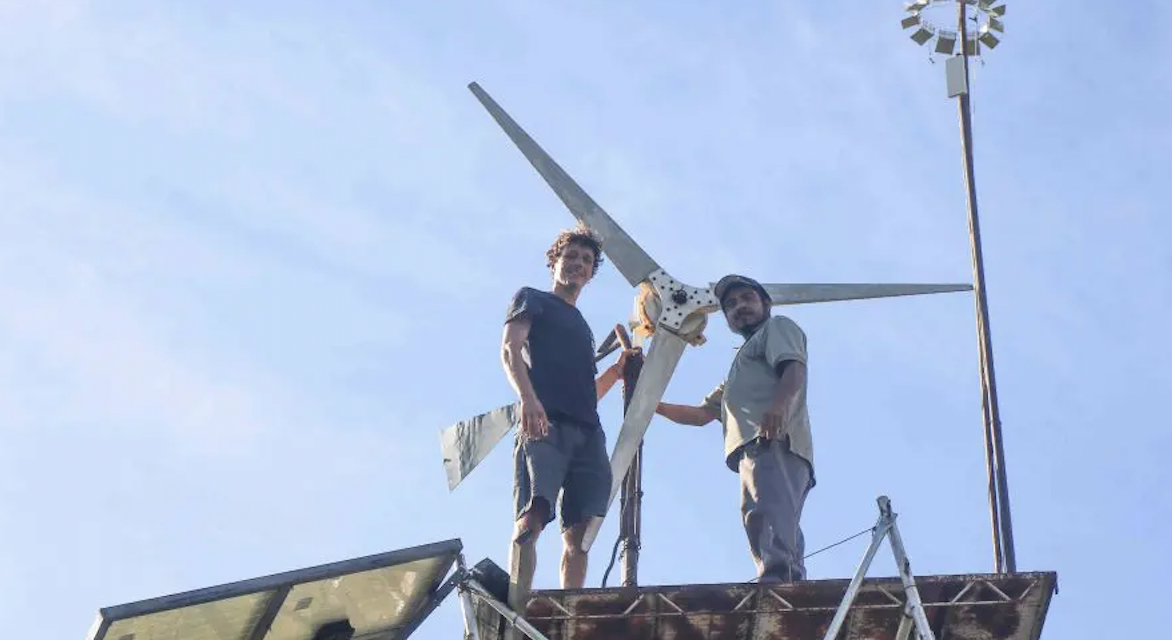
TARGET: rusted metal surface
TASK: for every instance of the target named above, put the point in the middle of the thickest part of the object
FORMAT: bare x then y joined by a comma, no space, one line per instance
958,607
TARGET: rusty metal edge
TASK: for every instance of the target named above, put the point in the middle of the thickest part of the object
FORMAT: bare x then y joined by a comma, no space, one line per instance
1047,578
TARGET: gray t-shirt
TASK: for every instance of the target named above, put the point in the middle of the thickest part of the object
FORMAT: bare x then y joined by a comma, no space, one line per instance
748,390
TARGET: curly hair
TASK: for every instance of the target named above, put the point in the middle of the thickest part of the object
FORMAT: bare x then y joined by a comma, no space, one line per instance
579,235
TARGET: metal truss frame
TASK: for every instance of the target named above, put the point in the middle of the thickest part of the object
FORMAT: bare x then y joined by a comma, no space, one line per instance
1004,606
913,607
786,602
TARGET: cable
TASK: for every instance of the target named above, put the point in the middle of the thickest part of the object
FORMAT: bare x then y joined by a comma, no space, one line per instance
613,554
843,541
831,546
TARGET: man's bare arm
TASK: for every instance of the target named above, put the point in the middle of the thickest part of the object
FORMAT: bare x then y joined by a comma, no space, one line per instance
606,380
785,394
512,345
534,421
685,414
792,378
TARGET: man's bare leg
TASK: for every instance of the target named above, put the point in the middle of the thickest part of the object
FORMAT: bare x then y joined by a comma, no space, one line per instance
523,554
573,557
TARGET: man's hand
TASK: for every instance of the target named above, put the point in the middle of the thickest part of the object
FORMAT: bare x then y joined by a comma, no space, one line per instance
612,374
534,422
773,422
621,363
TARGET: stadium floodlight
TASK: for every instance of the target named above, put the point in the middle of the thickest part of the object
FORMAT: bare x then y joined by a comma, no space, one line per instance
987,14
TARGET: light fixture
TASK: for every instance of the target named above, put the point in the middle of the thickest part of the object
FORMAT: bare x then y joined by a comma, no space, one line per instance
987,16
945,44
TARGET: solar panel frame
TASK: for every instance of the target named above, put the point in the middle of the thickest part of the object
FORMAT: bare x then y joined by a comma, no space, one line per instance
280,585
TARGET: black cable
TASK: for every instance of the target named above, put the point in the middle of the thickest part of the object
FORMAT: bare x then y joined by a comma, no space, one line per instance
831,546
843,541
613,554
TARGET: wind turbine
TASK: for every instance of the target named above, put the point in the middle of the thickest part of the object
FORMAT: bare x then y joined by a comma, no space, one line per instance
673,313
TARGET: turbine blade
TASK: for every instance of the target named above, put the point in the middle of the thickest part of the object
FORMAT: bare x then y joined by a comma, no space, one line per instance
628,257
468,442
786,294
665,352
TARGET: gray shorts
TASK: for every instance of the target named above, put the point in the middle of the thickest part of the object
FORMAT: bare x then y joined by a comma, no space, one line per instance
569,467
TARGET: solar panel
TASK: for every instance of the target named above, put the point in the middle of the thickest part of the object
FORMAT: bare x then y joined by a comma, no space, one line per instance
379,597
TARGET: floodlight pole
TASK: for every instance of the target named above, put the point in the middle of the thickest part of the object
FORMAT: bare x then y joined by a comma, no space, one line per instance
1004,557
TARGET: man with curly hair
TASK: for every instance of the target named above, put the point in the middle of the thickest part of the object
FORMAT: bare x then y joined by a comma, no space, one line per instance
560,452
767,441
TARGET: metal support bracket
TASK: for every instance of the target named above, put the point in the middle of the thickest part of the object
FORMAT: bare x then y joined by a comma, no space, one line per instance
914,616
469,587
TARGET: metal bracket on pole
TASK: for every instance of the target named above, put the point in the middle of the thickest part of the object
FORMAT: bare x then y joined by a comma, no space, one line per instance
913,614
471,632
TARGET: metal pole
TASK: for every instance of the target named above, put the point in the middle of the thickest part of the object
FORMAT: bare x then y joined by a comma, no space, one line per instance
632,490
630,522
471,626
914,603
1004,556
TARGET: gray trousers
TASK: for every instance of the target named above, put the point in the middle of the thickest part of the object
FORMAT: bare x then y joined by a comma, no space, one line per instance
774,484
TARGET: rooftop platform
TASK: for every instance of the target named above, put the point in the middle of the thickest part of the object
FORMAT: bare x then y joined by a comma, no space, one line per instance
958,607
388,596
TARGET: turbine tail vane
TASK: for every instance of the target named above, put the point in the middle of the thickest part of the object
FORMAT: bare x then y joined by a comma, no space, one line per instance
467,443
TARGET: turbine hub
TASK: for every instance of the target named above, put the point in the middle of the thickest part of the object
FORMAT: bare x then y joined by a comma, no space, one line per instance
649,309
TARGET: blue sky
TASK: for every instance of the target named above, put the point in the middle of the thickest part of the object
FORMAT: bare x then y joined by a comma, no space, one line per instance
252,259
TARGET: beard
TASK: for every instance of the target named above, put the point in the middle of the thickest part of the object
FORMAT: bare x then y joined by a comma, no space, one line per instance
749,323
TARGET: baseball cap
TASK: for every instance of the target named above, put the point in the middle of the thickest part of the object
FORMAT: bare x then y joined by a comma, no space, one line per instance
733,280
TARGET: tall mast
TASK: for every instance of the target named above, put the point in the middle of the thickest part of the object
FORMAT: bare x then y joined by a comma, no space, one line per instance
989,14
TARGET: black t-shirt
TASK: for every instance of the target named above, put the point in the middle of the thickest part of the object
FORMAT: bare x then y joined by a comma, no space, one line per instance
561,355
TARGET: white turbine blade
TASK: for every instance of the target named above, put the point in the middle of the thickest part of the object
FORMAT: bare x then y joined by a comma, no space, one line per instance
785,294
628,257
665,352
468,442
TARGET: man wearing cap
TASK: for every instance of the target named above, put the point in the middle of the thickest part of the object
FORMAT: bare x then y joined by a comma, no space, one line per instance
762,407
